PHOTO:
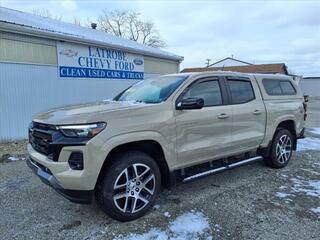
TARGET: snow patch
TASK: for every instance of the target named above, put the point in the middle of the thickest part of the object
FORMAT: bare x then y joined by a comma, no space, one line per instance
189,223
310,171
282,195
12,158
315,131
309,187
153,234
315,210
167,214
189,226
308,143
15,158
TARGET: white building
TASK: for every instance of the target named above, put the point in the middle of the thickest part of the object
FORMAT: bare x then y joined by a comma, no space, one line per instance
46,63
229,62
310,86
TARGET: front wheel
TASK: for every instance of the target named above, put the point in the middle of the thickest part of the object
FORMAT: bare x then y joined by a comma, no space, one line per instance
129,187
281,149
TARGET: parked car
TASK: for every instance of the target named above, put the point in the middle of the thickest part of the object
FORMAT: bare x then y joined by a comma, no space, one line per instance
164,130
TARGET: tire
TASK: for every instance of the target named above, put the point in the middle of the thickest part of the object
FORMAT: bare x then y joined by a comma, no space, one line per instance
122,194
281,149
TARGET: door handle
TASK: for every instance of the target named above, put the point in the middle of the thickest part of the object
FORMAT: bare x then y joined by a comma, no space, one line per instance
223,116
256,112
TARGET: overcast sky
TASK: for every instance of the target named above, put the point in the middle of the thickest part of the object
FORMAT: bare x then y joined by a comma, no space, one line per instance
252,31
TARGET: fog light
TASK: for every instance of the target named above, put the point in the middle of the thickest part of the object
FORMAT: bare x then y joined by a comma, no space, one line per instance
76,161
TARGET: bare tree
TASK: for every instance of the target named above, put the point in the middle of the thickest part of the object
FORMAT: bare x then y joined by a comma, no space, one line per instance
46,13
128,24
77,21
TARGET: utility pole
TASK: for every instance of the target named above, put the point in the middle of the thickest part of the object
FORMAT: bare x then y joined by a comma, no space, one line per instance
208,62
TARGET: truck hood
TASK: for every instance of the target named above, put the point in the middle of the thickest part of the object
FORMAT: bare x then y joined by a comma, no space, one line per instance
84,113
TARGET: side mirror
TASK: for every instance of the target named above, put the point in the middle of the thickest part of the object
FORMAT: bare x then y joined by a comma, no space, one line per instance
190,103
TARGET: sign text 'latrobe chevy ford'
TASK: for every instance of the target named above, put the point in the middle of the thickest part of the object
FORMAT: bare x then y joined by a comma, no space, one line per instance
80,61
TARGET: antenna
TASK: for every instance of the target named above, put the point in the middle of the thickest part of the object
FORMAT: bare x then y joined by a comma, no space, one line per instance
208,62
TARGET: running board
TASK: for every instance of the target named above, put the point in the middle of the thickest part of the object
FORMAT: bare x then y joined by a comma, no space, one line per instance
222,169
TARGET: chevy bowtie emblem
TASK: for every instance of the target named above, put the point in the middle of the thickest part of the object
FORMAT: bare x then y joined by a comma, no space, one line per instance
68,52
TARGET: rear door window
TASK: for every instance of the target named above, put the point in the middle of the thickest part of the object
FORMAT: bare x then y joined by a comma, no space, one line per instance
241,91
275,87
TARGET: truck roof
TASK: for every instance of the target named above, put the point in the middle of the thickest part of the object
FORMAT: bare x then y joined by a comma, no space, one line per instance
225,73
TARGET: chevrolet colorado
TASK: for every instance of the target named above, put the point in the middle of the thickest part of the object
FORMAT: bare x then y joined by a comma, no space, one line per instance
164,129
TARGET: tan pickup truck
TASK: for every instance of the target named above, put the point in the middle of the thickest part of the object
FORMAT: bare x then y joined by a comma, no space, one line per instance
164,130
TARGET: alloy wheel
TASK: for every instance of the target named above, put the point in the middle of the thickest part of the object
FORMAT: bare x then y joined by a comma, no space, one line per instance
284,149
134,188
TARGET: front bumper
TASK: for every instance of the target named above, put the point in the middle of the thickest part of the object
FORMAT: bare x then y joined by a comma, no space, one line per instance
76,196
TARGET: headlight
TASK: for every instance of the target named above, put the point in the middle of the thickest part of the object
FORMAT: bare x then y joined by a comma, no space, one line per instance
85,131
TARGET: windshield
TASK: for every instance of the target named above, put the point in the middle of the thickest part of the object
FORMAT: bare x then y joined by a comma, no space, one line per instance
152,90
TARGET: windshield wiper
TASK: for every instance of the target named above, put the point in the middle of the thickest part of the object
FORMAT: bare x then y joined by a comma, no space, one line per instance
150,102
147,102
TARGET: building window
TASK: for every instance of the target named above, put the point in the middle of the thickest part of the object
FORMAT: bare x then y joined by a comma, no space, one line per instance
27,52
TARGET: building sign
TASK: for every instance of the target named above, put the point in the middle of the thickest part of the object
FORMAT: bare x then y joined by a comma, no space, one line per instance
80,61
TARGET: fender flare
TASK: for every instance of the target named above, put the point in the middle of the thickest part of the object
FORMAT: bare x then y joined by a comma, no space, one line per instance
115,141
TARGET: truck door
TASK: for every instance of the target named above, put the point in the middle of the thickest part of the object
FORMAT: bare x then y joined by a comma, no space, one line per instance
249,114
203,134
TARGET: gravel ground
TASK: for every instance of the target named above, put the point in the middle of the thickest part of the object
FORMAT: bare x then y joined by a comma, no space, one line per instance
251,202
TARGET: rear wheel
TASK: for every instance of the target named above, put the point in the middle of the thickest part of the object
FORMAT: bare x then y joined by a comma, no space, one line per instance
129,187
281,149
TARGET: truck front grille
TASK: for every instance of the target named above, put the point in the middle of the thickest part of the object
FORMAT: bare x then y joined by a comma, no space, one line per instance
41,137
48,140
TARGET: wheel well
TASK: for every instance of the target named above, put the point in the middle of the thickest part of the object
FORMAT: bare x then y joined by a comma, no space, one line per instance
290,125
149,147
